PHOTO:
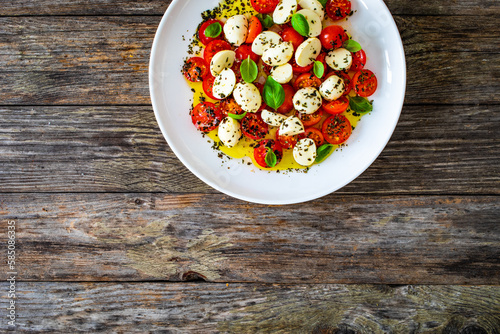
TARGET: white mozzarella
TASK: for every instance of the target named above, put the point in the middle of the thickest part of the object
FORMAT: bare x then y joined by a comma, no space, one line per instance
229,132
224,84
247,96
307,51
315,25
315,6
339,59
279,54
222,60
291,126
264,41
304,152
282,73
236,29
307,100
332,88
272,118
284,11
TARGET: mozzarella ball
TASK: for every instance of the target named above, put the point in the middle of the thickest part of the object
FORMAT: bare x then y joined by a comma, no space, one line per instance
224,84
308,51
304,152
229,132
279,54
222,60
307,100
339,59
283,73
264,41
236,29
247,96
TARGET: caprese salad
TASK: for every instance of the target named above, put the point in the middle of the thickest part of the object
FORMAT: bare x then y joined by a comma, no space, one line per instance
283,75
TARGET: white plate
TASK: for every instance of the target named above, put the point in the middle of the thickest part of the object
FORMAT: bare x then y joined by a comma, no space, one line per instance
372,25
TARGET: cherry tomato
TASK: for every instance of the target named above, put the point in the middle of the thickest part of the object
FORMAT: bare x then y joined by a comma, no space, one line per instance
213,47
253,126
287,106
195,69
337,106
286,141
206,116
208,86
201,32
291,35
300,69
311,119
338,9
229,105
364,83
262,149
336,129
264,6
307,80
313,134
358,61
332,37
244,51
254,29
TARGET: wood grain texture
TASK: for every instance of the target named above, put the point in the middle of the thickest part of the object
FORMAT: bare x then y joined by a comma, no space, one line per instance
104,60
255,308
338,239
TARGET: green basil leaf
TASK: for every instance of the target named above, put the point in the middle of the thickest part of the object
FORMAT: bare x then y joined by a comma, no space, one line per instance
323,2
249,70
323,152
360,104
213,30
237,117
266,20
319,69
274,94
271,159
300,24
352,45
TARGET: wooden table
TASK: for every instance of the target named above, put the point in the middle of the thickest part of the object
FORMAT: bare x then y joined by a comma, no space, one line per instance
114,234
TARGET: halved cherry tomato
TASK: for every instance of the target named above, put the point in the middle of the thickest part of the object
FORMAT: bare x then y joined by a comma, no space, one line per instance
263,147
336,129
291,35
364,83
332,37
205,116
286,141
244,51
358,60
287,106
195,69
208,86
307,80
213,47
201,32
300,69
338,9
253,126
264,6
313,134
229,105
337,106
311,119
254,29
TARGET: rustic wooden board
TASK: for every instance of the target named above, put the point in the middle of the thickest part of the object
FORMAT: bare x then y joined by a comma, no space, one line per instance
338,239
435,149
255,308
104,60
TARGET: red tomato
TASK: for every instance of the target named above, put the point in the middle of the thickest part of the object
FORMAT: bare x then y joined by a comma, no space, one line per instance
213,47
205,116
337,106
286,141
364,83
307,80
332,37
358,61
313,134
291,35
208,86
287,106
262,149
264,6
244,51
229,105
254,29
311,119
195,69
338,9
336,129
201,33
253,126
300,69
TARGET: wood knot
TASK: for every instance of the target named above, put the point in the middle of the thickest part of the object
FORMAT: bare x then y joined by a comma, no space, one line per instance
193,276
326,329
139,201
473,329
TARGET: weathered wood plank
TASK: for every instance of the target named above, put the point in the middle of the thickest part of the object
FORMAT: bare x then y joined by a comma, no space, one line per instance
337,239
104,60
243,308
435,149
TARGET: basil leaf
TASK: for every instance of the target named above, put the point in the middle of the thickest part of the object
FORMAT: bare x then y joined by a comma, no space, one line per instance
300,24
237,117
249,70
360,104
213,30
323,152
266,20
351,45
274,94
323,2
319,69
271,159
